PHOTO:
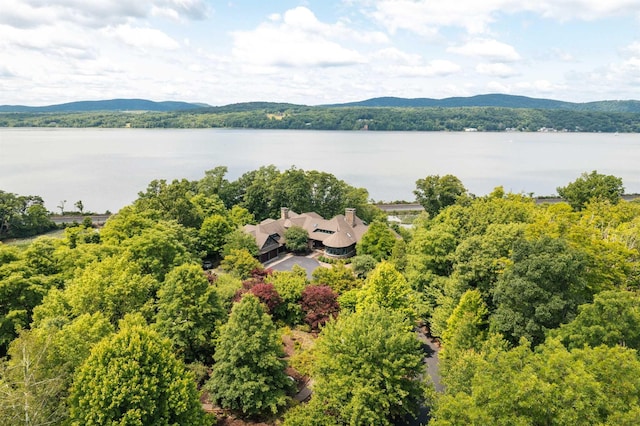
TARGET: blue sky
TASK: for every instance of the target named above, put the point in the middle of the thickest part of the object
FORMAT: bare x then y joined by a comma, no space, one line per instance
316,52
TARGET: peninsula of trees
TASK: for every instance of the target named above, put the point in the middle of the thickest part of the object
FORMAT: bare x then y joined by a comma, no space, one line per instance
536,307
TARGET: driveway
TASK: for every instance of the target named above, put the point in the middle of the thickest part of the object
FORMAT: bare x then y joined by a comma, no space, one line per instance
306,262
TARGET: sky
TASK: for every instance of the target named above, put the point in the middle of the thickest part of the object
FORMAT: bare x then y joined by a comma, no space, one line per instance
316,52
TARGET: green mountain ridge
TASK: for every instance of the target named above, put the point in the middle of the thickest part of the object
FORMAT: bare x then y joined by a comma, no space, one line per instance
107,105
496,100
488,100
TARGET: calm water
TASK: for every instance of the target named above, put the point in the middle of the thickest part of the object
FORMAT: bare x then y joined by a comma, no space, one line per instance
105,168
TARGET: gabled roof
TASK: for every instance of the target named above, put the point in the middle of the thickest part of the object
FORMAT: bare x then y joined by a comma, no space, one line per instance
336,232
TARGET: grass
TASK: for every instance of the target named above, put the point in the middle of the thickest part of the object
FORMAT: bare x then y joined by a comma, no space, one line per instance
23,242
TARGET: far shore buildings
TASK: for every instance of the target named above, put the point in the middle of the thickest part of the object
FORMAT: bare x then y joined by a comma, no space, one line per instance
337,236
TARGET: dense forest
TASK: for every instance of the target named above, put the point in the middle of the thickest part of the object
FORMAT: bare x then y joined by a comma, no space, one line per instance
264,115
536,308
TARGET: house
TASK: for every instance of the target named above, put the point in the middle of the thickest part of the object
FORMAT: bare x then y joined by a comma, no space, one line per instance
336,236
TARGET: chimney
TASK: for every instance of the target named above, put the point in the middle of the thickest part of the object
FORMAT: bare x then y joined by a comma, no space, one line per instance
284,213
350,217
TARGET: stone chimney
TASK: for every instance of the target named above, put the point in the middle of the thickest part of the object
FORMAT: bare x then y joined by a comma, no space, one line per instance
284,213
350,217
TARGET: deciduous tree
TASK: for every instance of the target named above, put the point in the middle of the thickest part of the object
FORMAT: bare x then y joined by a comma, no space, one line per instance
248,374
189,311
369,368
590,186
133,378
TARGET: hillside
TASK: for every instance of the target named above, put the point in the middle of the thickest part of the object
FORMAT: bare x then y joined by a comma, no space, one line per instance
496,100
106,105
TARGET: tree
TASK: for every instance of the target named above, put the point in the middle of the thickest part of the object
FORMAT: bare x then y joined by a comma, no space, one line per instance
268,295
539,291
78,204
591,186
240,263
435,193
189,311
238,239
387,288
466,327
363,265
378,241
297,239
29,394
134,378
612,319
319,304
213,234
248,374
369,368
548,386
290,285
338,277
113,286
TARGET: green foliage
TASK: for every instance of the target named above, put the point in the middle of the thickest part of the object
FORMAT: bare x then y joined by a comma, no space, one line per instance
227,285
539,291
297,239
133,378
339,277
591,186
612,319
363,265
248,374
466,328
289,285
387,288
368,368
611,117
435,193
189,311
113,286
238,240
213,234
240,263
550,386
29,393
378,241
22,216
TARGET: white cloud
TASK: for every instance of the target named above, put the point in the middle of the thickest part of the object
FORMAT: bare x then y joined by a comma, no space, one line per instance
300,40
435,68
427,17
488,49
143,38
538,86
97,13
498,69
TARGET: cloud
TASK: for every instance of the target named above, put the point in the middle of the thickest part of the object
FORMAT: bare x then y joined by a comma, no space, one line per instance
492,50
6,72
435,68
427,17
143,38
498,69
299,39
97,13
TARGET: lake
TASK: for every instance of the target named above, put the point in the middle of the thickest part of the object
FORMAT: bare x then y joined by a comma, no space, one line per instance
106,168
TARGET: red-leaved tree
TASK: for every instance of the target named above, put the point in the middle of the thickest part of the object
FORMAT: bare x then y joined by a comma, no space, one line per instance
267,295
319,303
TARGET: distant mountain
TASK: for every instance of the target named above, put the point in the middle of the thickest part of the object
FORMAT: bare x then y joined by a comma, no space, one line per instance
496,100
107,105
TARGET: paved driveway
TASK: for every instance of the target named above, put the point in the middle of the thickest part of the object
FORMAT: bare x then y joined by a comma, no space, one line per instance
307,263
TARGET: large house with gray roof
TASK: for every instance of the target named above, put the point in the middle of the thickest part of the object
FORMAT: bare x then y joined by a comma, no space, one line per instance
336,236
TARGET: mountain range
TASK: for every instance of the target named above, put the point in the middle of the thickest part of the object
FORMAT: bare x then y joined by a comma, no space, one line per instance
488,100
107,105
